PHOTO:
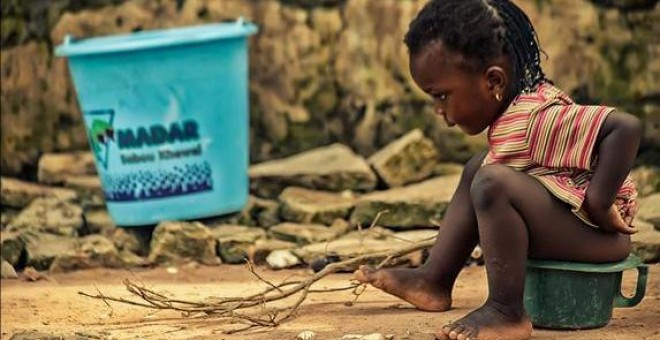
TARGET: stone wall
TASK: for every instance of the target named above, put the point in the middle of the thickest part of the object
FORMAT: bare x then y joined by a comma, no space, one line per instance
320,71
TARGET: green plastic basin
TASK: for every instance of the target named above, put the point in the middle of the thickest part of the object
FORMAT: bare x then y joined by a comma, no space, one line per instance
571,295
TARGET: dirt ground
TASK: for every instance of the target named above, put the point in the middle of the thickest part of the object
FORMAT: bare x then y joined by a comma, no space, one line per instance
53,306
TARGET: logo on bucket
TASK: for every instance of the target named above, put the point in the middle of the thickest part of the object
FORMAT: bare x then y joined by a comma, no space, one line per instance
139,147
101,133
130,142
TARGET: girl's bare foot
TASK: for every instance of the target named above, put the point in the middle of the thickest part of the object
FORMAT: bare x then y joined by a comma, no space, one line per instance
409,285
490,322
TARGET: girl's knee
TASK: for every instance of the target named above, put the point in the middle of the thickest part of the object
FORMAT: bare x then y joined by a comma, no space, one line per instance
489,185
472,166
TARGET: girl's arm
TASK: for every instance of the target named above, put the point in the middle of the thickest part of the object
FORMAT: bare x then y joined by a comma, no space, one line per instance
616,146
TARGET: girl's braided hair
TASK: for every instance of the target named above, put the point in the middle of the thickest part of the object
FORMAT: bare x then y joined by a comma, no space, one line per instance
481,30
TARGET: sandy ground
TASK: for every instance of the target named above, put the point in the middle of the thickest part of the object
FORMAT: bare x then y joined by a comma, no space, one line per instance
53,306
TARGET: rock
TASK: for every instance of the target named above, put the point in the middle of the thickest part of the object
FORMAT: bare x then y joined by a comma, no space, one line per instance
129,259
652,132
375,233
408,159
325,21
418,205
476,257
6,215
234,241
342,170
42,249
32,275
258,252
227,230
135,239
56,168
88,188
646,243
372,336
7,271
341,227
350,248
260,212
306,335
100,250
18,194
351,337
647,180
302,233
39,114
98,221
182,241
257,212
413,236
128,240
447,168
12,247
36,335
91,251
310,206
649,210
416,258
283,258
49,215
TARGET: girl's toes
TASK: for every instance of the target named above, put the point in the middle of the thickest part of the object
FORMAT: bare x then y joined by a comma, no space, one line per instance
456,332
467,334
365,274
450,331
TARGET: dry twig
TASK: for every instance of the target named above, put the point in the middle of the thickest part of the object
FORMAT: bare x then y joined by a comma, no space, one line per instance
251,311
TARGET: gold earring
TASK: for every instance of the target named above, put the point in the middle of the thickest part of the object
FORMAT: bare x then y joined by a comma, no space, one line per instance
498,97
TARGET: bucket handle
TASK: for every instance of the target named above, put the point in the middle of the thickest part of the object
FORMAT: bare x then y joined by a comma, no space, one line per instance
622,301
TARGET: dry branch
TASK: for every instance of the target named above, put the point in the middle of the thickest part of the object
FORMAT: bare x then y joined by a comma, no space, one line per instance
252,311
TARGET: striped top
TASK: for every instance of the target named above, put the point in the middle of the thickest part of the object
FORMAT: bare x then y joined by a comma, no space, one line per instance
548,136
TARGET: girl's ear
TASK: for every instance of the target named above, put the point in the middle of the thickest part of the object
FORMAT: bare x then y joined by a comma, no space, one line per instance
497,80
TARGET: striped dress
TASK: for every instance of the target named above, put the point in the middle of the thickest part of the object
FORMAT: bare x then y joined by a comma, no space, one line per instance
546,135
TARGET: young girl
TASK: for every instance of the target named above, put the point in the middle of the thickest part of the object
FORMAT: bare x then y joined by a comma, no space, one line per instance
554,184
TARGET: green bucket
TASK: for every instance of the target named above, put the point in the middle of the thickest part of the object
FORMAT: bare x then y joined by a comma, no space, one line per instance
570,295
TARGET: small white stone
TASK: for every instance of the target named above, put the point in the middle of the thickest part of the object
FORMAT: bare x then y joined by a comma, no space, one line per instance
373,336
279,259
8,271
347,194
306,335
477,253
172,270
352,337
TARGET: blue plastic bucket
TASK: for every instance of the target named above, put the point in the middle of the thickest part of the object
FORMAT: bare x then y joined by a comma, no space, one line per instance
167,119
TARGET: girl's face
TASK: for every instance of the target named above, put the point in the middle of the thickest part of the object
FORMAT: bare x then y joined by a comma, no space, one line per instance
462,97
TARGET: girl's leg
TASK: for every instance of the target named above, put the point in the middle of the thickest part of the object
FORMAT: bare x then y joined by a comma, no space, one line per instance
517,218
429,286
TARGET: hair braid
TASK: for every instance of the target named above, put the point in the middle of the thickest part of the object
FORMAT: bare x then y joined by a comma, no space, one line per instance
522,44
481,30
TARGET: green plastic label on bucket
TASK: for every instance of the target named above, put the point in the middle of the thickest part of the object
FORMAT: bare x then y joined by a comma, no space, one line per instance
167,119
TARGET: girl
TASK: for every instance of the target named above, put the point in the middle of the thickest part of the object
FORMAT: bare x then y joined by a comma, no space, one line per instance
554,184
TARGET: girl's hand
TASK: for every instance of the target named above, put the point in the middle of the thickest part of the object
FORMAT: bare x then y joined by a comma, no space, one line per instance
629,211
617,223
613,219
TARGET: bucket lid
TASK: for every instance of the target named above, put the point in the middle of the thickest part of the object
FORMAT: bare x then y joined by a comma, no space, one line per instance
631,262
154,38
